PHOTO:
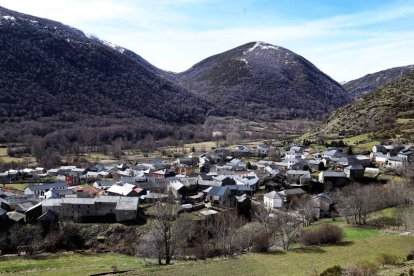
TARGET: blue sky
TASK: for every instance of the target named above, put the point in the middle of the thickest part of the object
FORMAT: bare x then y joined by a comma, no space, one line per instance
346,39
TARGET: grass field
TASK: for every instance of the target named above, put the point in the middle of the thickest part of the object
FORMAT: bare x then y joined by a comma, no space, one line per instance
68,264
299,261
360,244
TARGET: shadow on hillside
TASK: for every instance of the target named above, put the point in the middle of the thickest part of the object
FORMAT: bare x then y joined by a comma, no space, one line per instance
344,243
42,257
309,249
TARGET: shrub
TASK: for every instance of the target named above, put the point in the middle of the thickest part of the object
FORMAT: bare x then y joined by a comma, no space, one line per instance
322,235
332,271
363,268
387,259
410,255
261,243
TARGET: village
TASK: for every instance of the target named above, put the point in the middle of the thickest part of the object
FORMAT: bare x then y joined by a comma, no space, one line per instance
204,183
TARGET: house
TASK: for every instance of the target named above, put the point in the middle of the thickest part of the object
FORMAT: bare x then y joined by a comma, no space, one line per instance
58,193
92,175
273,200
224,180
315,165
387,160
47,217
262,149
241,149
292,155
40,190
298,177
297,149
120,208
363,160
291,163
87,191
323,204
333,179
292,195
379,158
379,149
332,154
236,165
185,166
407,154
16,217
103,185
354,171
127,179
196,198
163,173
219,195
272,169
66,169
22,207
178,189
395,162
33,212
124,190
53,172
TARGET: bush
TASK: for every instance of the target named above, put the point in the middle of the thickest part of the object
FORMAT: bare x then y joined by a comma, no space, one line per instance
322,235
332,271
361,269
410,255
261,243
387,259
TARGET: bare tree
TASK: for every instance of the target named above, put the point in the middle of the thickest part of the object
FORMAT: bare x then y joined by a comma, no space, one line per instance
355,203
224,227
404,215
163,228
306,211
263,215
289,226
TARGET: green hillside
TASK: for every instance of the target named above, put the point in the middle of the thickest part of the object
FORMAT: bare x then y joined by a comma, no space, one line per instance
386,113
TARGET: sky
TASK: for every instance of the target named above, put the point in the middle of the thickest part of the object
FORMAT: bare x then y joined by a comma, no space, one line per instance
346,39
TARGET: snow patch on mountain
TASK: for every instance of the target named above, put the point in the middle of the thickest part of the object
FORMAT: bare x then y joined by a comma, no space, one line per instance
243,60
8,17
113,46
261,46
107,43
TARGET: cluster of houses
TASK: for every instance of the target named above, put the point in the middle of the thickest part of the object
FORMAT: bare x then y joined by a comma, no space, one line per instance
205,183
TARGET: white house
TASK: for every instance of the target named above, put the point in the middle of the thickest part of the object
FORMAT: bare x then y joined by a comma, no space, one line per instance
273,200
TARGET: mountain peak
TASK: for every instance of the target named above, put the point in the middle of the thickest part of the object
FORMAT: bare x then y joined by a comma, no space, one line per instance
261,76
260,46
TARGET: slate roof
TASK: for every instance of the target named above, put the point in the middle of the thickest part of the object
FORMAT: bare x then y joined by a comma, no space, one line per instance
296,191
296,172
24,206
333,174
273,195
49,215
218,191
15,216
48,186
127,204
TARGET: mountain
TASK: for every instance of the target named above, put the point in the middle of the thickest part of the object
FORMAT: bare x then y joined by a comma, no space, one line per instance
387,112
50,70
376,80
260,80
